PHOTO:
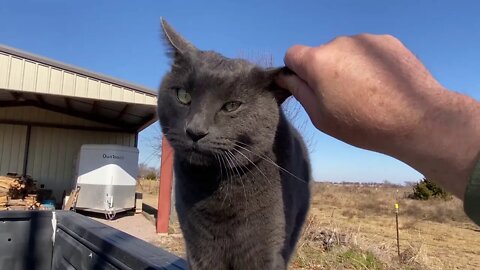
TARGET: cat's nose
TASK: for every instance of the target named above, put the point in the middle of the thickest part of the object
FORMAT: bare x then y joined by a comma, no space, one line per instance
196,134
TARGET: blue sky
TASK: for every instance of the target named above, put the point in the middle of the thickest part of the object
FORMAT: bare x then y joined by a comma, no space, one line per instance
122,39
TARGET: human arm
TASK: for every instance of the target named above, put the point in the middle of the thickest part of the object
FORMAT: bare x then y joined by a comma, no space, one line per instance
372,92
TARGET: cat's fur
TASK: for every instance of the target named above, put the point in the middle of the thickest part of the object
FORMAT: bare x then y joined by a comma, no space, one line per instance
237,209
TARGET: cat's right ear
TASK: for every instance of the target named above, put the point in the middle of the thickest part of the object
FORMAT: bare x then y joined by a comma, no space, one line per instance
280,93
179,49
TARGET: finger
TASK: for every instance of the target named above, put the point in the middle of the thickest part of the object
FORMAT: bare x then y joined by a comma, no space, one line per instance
302,92
295,59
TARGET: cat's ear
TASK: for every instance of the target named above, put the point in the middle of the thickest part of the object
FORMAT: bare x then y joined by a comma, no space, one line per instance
281,94
179,48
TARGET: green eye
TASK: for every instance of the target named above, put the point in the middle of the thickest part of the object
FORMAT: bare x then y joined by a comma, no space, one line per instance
231,106
183,96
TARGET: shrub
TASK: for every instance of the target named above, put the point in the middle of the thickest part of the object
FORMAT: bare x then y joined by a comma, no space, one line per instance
426,189
151,175
360,259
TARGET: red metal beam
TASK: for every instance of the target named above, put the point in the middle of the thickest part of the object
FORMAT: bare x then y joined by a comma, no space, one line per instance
165,187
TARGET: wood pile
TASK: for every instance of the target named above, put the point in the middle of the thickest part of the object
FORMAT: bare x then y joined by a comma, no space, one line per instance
18,193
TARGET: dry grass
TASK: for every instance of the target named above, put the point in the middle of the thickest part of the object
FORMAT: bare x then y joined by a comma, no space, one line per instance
353,227
149,189
148,186
433,234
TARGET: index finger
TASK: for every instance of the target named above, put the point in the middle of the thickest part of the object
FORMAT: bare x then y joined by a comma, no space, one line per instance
295,59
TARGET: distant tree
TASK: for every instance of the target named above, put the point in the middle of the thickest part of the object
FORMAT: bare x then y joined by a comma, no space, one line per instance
426,189
156,141
147,172
142,169
387,183
409,183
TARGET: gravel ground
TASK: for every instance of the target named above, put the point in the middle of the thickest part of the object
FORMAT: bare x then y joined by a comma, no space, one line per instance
137,225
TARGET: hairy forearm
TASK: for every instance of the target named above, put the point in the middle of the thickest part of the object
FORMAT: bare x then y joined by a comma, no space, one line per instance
445,144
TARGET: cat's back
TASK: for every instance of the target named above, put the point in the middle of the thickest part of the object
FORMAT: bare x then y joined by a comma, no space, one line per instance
295,173
292,154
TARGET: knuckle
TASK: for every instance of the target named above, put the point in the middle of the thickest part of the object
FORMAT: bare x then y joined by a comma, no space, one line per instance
376,39
369,36
295,54
315,54
389,37
292,51
341,39
363,36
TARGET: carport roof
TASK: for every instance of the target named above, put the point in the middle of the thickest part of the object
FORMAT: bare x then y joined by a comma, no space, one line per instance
31,80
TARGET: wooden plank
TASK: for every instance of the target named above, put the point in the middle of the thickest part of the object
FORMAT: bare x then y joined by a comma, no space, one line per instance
72,199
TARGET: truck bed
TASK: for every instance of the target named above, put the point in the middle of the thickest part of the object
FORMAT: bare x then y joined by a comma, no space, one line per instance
58,240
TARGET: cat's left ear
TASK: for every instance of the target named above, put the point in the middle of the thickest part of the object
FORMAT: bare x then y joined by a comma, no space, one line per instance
281,94
179,48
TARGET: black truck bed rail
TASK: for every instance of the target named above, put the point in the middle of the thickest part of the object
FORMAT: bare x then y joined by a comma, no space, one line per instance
45,240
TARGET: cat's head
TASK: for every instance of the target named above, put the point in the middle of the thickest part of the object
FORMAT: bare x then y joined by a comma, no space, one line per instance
217,110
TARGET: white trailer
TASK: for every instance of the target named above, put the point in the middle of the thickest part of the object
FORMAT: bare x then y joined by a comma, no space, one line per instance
106,175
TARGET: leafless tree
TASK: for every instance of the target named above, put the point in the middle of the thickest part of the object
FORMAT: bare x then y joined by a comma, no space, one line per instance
147,172
156,141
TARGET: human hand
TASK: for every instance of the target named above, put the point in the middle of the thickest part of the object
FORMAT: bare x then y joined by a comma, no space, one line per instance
372,92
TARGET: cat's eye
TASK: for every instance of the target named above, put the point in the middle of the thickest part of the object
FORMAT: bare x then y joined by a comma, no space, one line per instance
231,106
183,96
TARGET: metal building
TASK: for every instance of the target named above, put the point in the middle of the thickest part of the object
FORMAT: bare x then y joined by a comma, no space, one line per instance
49,109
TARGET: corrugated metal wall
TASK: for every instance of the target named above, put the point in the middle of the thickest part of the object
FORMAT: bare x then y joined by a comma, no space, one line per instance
21,74
55,138
53,151
34,115
12,148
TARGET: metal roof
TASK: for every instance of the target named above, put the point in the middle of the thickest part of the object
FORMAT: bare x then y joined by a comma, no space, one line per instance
31,80
78,70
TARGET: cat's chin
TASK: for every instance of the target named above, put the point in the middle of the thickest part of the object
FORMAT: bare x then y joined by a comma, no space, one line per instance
197,158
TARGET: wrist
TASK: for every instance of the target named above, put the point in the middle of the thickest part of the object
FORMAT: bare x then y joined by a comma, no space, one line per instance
444,146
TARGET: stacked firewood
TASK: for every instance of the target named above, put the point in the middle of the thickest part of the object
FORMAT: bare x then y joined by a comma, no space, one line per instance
18,193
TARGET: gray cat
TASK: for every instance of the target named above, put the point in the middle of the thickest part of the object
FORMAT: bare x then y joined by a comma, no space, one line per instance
242,171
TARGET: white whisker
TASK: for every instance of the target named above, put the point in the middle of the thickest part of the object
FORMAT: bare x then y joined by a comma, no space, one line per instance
269,161
241,180
268,180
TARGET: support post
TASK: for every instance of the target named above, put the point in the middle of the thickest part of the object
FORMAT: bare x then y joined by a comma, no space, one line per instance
165,187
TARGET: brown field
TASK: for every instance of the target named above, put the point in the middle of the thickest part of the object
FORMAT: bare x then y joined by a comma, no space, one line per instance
353,227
